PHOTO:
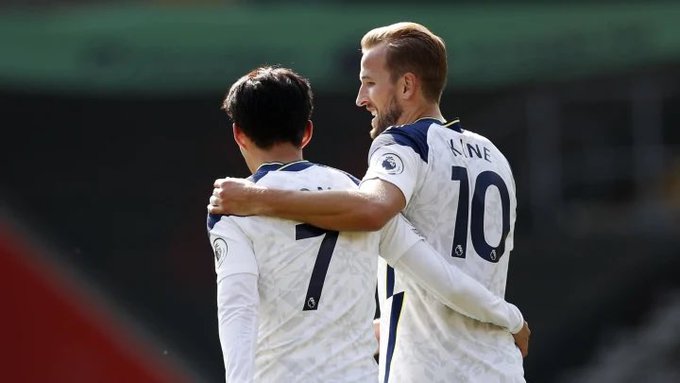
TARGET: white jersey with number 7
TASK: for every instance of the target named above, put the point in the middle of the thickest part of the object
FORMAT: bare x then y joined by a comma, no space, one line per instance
308,294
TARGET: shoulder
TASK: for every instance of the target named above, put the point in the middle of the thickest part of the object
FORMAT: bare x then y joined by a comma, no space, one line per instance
305,176
412,135
221,224
477,137
337,173
480,139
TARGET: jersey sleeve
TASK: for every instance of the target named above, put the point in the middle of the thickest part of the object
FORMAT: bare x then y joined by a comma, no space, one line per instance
397,164
232,248
456,289
396,237
237,318
237,299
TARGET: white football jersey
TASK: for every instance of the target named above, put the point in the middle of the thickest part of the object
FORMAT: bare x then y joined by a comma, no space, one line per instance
316,287
460,195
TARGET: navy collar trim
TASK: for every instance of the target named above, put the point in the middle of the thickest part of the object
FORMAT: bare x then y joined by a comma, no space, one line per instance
265,168
455,124
436,120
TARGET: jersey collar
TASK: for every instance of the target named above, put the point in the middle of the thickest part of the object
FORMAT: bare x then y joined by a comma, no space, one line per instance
280,166
432,119
455,124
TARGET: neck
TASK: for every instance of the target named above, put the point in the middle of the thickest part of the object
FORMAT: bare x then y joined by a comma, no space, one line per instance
420,111
283,153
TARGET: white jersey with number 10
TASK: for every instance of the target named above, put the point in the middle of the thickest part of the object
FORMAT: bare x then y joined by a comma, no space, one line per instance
460,195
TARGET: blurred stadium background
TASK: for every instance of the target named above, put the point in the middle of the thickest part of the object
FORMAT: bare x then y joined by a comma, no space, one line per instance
112,136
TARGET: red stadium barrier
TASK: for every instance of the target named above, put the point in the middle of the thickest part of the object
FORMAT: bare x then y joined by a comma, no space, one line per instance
55,332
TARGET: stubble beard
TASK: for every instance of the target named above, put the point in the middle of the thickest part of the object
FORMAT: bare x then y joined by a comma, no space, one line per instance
387,119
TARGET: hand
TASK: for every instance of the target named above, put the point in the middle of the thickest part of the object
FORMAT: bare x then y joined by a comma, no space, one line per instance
522,339
233,196
376,332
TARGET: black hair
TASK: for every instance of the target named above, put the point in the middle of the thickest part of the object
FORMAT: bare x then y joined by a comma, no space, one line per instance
271,105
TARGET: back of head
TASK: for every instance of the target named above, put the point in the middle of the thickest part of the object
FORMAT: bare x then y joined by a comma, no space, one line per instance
412,48
270,105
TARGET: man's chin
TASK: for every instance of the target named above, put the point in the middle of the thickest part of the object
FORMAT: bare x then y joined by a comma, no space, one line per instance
375,131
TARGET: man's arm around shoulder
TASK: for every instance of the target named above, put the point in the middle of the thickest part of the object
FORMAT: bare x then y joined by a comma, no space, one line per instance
366,209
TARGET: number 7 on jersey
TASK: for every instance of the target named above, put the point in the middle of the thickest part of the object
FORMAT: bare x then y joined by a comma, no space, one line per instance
323,260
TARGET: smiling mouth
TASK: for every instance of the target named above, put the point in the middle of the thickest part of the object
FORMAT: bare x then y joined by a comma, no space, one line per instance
370,109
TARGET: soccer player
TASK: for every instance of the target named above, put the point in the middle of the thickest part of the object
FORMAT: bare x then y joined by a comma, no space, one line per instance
453,185
296,302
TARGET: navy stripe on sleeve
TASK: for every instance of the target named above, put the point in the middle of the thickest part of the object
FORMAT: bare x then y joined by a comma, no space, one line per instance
213,219
412,135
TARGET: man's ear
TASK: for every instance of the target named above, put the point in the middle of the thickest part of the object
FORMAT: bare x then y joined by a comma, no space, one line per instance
307,136
239,136
408,85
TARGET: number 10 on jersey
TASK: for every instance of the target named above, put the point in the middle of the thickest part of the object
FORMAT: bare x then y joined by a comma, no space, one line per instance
473,214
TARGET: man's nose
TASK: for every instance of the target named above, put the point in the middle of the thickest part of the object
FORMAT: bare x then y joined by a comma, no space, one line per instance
361,98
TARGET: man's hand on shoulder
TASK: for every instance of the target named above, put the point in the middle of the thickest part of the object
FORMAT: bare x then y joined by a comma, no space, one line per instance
234,196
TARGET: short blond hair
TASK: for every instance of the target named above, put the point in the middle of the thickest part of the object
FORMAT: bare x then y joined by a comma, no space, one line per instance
413,48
